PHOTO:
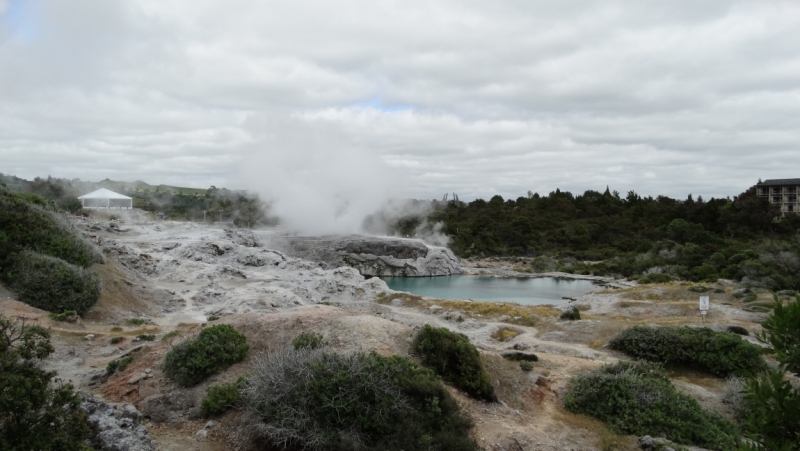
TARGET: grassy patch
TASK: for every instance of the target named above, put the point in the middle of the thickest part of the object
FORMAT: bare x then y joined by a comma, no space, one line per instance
505,333
311,340
135,322
116,329
69,316
118,365
170,335
215,349
572,314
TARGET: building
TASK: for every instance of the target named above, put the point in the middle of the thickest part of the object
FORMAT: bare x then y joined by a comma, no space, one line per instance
104,198
782,192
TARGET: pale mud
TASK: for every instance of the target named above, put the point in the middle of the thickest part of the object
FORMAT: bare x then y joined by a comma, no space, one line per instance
175,276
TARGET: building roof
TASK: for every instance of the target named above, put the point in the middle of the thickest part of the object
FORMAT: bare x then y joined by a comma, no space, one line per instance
103,193
779,182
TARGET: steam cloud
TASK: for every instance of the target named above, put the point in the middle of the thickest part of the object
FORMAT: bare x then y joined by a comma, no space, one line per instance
318,180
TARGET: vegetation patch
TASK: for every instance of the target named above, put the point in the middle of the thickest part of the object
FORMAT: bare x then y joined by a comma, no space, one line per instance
638,398
571,314
455,359
215,349
311,399
52,284
719,353
118,365
68,316
220,398
526,366
170,335
37,412
311,340
146,337
116,340
505,333
135,321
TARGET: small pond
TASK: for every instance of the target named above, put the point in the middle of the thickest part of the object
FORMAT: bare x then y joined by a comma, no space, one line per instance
530,291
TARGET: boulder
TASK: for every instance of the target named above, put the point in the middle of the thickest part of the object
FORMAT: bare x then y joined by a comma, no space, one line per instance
115,427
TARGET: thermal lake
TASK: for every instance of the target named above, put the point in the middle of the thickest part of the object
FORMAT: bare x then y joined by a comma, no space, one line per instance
531,291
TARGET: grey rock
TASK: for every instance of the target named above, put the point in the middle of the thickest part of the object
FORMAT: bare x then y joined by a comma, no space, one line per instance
201,435
645,442
115,427
373,256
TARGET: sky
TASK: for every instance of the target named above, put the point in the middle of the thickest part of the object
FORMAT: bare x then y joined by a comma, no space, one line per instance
349,100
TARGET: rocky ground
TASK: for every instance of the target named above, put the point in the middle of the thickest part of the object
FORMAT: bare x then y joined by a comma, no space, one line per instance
169,279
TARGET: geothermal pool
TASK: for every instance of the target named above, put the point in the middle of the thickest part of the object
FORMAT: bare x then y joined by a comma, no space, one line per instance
530,291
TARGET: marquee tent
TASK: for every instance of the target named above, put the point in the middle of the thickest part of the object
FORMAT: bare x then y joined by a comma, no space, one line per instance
104,198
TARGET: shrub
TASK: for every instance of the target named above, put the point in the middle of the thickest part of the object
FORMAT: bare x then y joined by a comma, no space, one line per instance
738,330
215,349
638,398
772,402
525,366
505,333
311,340
52,284
572,314
719,353
312,399
69,316
169,335
115,340
135,321
698,289
220,398
146,337
36,411
455,359
213,318
655,278
118,364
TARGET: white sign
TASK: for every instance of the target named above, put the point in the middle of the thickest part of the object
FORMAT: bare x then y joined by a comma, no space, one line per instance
704,303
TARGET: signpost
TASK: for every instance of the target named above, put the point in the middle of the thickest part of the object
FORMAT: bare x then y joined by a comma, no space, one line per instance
704,303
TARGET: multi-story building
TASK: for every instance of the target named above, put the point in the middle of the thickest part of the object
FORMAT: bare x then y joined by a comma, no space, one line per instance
782,192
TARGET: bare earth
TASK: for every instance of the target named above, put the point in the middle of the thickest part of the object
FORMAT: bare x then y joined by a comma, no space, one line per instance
174,276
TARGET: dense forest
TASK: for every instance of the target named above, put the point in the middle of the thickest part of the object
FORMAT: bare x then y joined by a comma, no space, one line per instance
654,239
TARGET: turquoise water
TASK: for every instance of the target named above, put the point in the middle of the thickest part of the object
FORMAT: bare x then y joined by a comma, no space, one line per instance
543,290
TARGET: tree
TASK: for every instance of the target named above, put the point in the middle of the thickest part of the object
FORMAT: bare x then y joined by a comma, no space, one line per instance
34,412
773,403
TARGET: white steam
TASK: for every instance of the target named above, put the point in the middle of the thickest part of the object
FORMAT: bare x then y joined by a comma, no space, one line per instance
318,180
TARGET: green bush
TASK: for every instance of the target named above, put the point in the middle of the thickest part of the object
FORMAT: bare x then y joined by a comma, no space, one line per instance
738,330
572,314
639,399
146,337
655,278
312,399
772,402
135,321
525,366
116,340
311,340
118,364
455,359
37,412
215,349
719,353
69,316
220,398
52,284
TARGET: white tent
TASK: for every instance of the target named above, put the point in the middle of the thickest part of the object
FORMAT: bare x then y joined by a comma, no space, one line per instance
104,198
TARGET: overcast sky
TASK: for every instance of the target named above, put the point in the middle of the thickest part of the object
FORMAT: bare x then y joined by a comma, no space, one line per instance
413,98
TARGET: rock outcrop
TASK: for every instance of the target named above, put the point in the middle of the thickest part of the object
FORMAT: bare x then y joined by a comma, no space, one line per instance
115,427
373,256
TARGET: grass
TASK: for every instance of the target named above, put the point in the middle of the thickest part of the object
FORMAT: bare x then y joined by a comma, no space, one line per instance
521,315
135,322
607,440
505,333
116,329
170,335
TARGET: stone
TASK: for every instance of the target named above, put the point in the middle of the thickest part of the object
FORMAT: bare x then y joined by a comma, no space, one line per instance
210,424
115,427
645,442
201,435
89,337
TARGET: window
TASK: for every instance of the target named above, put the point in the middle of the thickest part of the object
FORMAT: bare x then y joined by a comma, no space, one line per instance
776,199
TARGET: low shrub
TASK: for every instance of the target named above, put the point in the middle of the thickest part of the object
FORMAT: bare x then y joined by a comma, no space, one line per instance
738,330
135,321
169,335
525,366
116,329
455,359
213,318
52,284
146,337
118,364
116,340
655,278
638,398
505,333
698,289
220,398
719,353
215,349
571,315
311,399
68,316
311,340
